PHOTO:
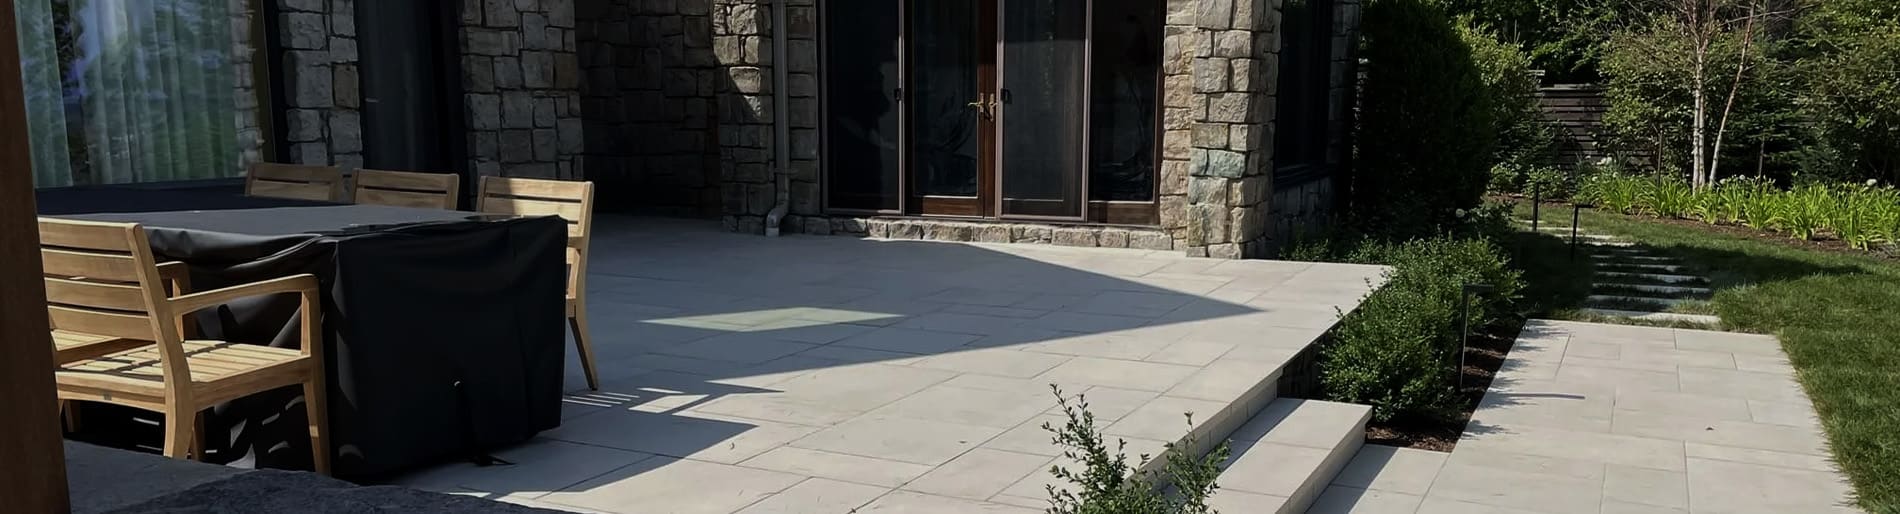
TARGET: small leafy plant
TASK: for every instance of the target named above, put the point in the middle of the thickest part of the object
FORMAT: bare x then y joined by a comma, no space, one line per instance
1108,484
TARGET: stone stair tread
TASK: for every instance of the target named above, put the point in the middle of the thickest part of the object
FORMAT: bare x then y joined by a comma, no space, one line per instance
1654,276
1631,256
1662,302
1293,448
1653,288
1659,267
1653,316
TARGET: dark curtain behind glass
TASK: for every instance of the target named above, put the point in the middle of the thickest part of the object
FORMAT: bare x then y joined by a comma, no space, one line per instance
1123,112
861,117
944,137
1045,44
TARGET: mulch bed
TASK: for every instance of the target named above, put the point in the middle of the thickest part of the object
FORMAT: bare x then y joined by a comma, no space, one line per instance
1484,353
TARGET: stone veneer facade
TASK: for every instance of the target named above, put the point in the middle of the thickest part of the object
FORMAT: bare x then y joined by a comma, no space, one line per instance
1306,206
323,104
520,75
670,103
651,82
521,81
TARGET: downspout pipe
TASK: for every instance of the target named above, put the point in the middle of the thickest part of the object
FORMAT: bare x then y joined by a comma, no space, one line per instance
781,122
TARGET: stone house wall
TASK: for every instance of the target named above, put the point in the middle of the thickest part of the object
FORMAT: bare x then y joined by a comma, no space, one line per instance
521,79
323,103
647,105
520,75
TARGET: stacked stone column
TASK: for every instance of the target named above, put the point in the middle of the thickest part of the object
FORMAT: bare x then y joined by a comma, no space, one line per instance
323,112
1220,64
742,42
521,77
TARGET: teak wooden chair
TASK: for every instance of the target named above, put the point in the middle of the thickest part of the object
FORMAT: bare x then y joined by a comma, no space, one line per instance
101,282
407,189
294,181
573,202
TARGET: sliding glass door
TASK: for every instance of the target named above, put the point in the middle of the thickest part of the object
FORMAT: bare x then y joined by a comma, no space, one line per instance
993,108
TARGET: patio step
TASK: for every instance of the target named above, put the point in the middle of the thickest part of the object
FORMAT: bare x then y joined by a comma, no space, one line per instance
1664,277
1284,457
1651,267
1610,244
1661,303
1652,288
1633,256
1654,316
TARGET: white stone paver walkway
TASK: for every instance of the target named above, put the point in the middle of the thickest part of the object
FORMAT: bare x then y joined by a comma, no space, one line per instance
1589,418
826,374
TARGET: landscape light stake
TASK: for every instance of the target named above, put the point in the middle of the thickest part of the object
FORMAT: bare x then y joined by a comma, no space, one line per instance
1464,322
1576,212
1537,203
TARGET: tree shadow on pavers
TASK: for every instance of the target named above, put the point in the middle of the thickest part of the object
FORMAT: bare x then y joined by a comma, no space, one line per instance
698,332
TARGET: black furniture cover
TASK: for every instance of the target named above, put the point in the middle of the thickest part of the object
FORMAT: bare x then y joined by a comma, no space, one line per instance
444,330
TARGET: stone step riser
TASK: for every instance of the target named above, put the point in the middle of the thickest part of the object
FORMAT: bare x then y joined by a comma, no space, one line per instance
1662,303
1673,279
1657,289
1651,267
1654,316
1285,435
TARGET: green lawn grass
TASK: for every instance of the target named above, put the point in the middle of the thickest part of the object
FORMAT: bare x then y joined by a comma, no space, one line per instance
1837,315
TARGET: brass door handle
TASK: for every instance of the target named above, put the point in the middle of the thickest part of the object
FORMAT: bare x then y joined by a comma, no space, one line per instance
985,105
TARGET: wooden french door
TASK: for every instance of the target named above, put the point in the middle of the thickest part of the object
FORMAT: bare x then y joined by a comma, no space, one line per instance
952,120
1024,109
999,96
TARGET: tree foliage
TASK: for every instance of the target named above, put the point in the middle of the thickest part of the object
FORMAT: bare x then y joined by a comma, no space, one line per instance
1848,53
1426,134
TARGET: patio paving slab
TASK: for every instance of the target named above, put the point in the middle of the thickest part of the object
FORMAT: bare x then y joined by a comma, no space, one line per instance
1589,419
797,374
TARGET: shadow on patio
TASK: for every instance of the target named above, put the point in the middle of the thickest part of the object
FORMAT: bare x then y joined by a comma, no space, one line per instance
879,361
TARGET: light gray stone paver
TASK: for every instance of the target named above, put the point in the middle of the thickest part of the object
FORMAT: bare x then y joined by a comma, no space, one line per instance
1386,468
979,474
838,466
898,438
817,495
1352,500
819,374
1698,422
906,502
685,486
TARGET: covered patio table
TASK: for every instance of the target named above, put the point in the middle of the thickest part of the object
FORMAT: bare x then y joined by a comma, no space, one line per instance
443,330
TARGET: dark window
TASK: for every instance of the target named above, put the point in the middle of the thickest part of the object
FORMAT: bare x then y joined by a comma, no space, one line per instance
1306,54
1122,119
861,109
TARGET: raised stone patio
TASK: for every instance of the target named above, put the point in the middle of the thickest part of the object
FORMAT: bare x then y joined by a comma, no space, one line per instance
1589,418
825,374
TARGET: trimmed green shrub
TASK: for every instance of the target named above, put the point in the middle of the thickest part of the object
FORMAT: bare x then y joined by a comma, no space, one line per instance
1425,136
1523,139
1398,351
1108,484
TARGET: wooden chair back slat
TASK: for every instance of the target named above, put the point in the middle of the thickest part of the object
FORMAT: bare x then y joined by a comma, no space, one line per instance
93,265
101,280
101,322
572,201
407,189
294,181
76,292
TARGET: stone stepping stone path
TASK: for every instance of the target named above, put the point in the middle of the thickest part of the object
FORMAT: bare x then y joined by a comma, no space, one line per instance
1633,282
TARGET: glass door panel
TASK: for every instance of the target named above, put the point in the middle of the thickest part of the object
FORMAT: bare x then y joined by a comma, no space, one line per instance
947,126
1123,109
863,85
1044,113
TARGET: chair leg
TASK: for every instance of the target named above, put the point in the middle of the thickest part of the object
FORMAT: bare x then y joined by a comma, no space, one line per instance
180,427
578,322
198,438
69,410
317,410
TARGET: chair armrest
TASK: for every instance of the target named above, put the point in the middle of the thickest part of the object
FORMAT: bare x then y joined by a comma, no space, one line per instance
305,284
177,274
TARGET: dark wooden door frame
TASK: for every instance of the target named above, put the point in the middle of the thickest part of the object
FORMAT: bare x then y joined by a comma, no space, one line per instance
30,448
